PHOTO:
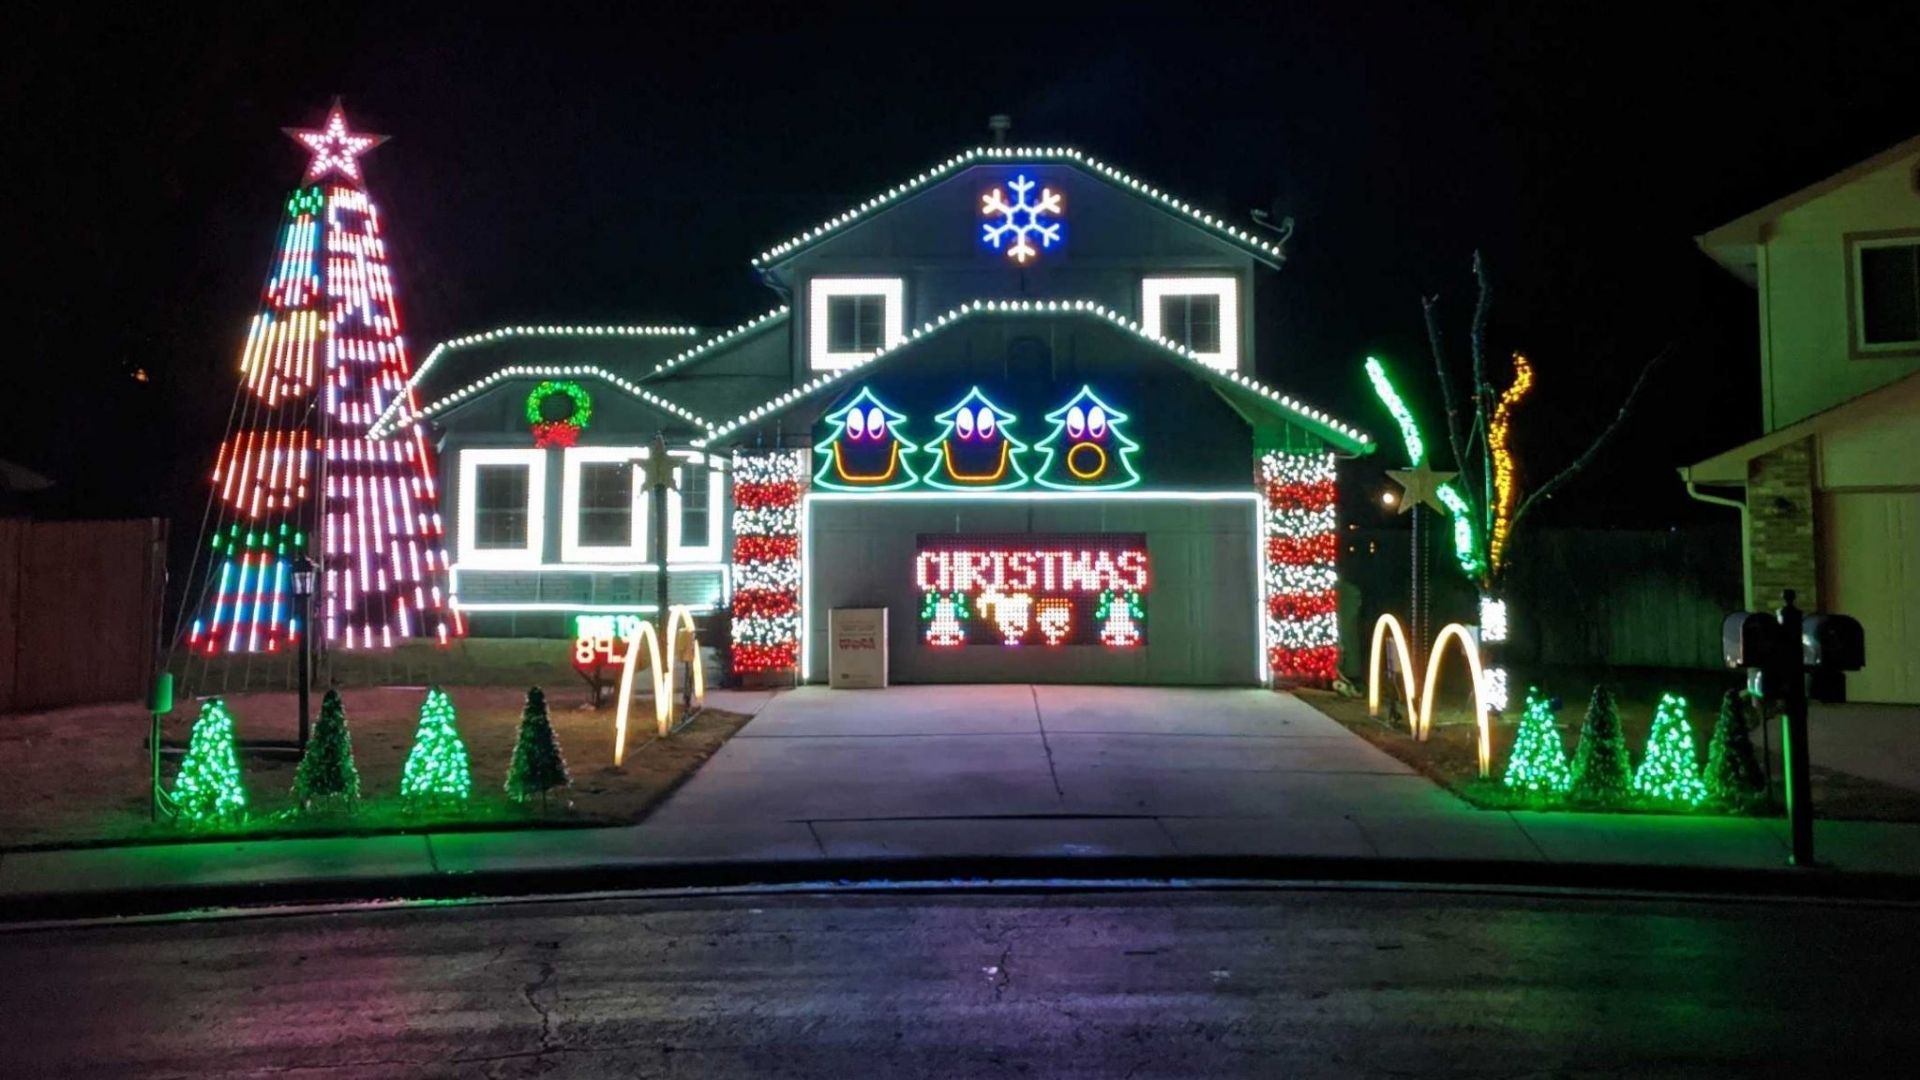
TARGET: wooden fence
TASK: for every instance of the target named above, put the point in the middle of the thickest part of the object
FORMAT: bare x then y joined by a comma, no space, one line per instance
79,610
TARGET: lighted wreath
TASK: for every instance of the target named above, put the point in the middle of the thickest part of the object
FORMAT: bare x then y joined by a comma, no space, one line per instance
559,411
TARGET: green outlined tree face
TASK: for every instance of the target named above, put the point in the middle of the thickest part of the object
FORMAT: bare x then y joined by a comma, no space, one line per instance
975,447
866,450
1087,448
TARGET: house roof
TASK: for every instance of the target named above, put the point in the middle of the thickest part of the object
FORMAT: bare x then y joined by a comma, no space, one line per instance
1260,248
1902,396
405,418
1735,245
1241,389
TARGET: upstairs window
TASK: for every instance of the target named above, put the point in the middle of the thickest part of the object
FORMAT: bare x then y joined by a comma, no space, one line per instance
1886,294
849,318
1193,321
1197,313
603,507
856,323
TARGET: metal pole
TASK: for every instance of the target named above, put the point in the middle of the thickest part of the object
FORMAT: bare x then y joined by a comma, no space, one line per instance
661,473
1418,587
1793,737
306,667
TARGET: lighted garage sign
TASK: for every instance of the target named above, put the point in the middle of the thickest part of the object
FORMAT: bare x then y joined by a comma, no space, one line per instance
1029,589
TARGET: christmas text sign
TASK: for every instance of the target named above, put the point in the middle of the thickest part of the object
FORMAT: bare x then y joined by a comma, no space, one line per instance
1028,589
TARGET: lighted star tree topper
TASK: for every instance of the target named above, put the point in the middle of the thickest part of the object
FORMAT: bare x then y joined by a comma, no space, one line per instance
323,356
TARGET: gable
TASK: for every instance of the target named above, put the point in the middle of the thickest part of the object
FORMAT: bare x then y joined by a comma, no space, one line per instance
1108,213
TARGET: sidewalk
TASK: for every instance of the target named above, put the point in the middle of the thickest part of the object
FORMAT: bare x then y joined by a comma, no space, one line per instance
1057,780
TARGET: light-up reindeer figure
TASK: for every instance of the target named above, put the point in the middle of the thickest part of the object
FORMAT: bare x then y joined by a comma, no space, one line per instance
1120,614
943,613
1011,613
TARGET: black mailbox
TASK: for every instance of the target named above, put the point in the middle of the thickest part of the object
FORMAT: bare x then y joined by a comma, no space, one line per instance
1754,639
1833,642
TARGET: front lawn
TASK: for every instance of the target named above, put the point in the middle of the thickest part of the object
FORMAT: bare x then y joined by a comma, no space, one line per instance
1450,756
79,775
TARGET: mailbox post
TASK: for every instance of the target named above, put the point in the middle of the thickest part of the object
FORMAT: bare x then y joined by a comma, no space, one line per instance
1780,652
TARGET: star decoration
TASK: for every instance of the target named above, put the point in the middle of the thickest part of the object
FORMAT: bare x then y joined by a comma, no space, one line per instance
334,147
1420,485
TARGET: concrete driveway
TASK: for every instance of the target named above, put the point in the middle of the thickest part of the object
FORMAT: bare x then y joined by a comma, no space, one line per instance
1020,769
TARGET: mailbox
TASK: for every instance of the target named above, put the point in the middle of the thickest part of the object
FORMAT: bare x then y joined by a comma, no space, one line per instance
1833,642
1754,639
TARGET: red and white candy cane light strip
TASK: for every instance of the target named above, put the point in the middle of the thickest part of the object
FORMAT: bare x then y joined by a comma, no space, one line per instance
767,489
1298,494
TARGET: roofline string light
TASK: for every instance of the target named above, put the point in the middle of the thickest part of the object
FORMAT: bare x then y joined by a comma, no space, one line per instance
1354,438
1262,248
528,371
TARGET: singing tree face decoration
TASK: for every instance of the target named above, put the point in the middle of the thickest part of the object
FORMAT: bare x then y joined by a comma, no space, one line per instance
974,448
1087,448
865,452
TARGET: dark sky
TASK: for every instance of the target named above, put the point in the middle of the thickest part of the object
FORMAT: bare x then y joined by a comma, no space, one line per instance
561,165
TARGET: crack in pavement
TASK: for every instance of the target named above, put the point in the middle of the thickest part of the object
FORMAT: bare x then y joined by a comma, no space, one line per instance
544,982
1058,793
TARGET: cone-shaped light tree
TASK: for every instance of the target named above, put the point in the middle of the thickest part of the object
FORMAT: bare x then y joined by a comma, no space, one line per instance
436,769
1671,770
1087,447
208,789
1733,769
1538,763
326,769
538,766
1602,771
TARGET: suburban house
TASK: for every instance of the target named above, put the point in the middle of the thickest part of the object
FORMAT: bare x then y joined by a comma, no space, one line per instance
1010,400
1831,500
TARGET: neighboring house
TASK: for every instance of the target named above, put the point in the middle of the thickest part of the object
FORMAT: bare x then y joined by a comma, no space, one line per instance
1010,399
1831,506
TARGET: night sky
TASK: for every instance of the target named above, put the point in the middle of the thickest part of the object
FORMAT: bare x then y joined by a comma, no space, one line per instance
566,167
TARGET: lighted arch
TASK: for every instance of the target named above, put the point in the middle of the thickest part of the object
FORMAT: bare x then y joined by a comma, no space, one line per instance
1420,696
1386,624
1471,648
661,664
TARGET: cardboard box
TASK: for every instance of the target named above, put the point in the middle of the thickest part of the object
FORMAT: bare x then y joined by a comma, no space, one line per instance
857,648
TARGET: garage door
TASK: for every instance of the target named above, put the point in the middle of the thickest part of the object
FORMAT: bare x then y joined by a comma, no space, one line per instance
1198,612
1870,569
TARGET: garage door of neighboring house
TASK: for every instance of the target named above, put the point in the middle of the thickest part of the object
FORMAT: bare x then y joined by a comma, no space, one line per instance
1870,569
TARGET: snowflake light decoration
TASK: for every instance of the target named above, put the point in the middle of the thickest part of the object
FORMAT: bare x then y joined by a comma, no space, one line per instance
1022,219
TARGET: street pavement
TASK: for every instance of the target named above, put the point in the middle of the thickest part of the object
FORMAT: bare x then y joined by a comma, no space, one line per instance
1303,982
922,772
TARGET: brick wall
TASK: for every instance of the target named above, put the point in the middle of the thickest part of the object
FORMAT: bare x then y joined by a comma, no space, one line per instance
1780,510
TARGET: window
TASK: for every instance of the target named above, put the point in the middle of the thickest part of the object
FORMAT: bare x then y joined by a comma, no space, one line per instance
855,323
502,509
603,507
1193,321
693,511
695,522
1886,280
606,504
849,318
1199,313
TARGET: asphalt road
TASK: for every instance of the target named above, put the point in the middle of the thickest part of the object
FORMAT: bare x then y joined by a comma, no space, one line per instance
1276,983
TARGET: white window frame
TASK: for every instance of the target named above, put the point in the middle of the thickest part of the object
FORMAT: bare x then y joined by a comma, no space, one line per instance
1225,289
892,292
1857,295
571,549
678,552
473,555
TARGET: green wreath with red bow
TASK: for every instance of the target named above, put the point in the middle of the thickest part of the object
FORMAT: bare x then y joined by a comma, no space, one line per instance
559,411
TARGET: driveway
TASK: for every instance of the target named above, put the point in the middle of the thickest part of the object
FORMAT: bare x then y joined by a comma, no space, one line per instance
1018,769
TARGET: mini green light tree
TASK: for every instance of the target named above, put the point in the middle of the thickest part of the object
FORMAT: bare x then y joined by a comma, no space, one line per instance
538,766
1733,769
326,769
1538,763
208,788
1671,770
436,770
1602,771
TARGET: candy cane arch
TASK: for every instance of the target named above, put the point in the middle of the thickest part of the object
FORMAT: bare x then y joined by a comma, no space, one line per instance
661,662
1424,692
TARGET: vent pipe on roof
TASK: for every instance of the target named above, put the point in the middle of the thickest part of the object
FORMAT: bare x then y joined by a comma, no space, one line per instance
999,124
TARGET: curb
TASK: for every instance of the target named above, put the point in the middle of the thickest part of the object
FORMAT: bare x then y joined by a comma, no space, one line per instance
997,873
